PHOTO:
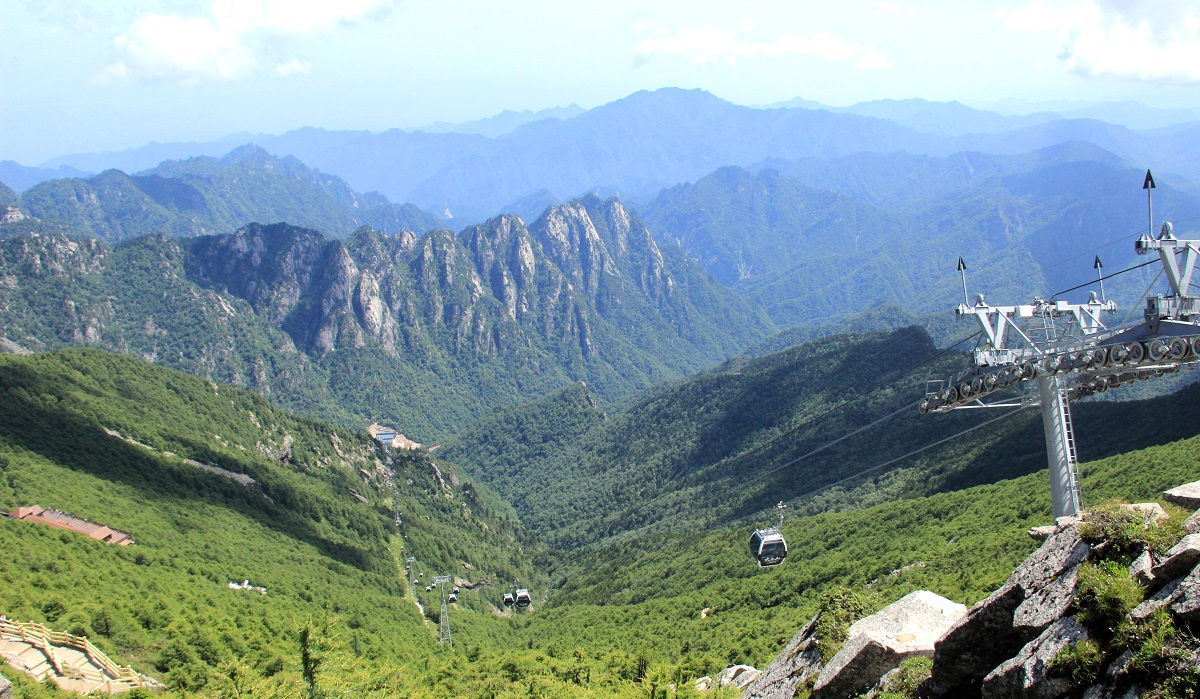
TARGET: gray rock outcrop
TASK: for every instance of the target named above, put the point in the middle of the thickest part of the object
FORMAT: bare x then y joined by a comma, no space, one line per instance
6,688
1191,525
1142,569
1026,675
878,643
798,662
739,676
1185,601
997,628
1186,495
1180,559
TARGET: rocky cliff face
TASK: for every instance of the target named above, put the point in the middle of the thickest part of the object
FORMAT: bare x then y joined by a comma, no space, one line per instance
580,276
499,312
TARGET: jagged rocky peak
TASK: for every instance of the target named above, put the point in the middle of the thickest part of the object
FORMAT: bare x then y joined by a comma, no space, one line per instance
375,248
633,237
333,301
270,266
569,237
54,254
504,254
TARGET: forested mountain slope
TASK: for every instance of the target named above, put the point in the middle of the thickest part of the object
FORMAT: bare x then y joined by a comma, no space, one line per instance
812,248
428,332
704,450
664,609
204,196
695,600
117,440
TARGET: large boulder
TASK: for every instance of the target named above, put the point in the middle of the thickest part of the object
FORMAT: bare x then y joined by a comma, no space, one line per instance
1180,559
1037,593
1186,495
6,688
878,643
1026,675
738,675
1191,525
798,662
1185,601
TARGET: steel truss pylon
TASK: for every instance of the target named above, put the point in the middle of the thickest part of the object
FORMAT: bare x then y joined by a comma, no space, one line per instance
444,617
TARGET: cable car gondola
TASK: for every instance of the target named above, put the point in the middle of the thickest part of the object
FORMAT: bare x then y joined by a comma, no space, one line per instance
767,546
452,598
523,599
508,599
455,590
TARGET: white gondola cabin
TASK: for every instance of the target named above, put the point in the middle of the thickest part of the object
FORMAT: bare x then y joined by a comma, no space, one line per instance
508,599
523,599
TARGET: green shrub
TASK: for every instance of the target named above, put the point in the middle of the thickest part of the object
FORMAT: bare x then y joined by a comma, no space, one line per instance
1104,595
1125,533
1148,640
1078,664
909,676
838,609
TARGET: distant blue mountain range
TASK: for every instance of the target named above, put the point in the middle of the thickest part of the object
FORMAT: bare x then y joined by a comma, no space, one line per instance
640,144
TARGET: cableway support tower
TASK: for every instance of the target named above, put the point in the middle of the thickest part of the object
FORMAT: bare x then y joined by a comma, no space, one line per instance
1052,352
444,636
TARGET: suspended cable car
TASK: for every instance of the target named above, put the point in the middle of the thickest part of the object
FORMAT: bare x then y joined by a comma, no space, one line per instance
523,599
452,598
508,599
455,590
768,546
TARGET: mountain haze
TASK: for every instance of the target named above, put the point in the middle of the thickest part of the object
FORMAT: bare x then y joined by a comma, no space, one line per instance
837,237
202,196
639,144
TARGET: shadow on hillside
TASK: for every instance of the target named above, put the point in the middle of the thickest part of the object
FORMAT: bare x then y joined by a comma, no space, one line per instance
1102,429
81,444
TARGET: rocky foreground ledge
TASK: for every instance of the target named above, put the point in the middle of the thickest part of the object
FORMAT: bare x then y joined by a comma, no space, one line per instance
1102,610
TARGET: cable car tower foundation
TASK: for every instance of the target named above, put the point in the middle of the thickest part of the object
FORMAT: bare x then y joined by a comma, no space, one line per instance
1056,352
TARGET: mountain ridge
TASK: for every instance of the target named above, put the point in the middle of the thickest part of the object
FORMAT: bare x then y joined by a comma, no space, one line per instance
464,321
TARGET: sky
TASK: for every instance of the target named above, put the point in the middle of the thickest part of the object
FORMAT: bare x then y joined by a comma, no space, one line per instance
102,75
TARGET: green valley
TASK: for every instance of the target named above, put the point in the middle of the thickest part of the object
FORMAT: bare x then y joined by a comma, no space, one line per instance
109,437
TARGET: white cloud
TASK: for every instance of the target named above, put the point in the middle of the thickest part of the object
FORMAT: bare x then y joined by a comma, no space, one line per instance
227,41
1154,41
708,44
293,67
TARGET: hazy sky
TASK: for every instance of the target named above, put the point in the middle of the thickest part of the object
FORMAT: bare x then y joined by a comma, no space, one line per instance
78,75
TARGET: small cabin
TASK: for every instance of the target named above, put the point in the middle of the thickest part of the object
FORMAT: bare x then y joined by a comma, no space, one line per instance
382,434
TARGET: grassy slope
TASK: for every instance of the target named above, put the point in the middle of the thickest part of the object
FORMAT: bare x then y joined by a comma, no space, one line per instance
649,600
164,604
